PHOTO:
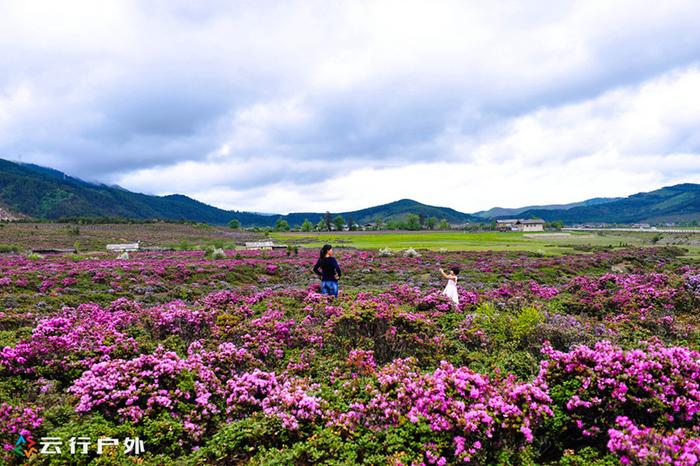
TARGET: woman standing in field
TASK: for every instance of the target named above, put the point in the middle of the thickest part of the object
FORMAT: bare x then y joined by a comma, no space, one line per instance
451,288
328,270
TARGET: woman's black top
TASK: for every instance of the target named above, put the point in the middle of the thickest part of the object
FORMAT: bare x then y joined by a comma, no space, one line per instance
327,268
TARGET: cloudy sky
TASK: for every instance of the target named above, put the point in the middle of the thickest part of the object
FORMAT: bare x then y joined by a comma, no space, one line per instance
330,105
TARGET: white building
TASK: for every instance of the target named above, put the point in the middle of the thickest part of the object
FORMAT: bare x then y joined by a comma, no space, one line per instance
128,247
264,246
533,224
521,224
259,245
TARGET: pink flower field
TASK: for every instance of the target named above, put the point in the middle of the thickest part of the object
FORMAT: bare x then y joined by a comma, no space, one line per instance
545,361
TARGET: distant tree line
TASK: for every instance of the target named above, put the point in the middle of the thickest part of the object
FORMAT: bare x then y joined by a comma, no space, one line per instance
411,222
87,220
330,222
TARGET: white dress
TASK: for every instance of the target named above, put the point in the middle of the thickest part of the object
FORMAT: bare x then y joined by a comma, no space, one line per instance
451,290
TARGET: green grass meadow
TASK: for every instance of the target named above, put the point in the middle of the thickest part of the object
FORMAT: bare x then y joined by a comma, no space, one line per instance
547,243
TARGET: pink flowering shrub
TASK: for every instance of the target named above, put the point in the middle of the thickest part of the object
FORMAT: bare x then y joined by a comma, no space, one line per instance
72,340
286,398
541,291
622,293
362,361
468,299
199,389
434,301
464,410
16,420
596,386
178,318
692,282
647,446
191,389
222,300
429,300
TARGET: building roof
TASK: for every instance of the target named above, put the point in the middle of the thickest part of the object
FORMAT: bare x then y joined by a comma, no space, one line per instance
521,220
532,220
259,244
124,247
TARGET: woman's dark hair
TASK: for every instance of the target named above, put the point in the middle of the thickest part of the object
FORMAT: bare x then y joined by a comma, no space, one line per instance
455,270
324,251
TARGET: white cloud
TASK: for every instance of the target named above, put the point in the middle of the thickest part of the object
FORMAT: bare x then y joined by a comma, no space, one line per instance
624,141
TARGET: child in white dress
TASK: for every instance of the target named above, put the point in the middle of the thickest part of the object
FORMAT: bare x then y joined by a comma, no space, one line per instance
451,288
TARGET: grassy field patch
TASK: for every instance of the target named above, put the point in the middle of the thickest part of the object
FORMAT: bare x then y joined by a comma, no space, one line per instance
544,243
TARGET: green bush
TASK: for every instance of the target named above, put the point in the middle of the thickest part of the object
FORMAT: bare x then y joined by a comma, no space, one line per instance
5,248
73,230
239,441
214,252
588,457
330,446
507,327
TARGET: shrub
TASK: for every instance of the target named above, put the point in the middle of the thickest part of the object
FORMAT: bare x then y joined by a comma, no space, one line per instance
64,345
593,387
238,441
463,413
5,248
649,446
502,327
213,252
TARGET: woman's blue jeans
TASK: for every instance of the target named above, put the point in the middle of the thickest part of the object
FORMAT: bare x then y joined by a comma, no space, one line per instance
329,287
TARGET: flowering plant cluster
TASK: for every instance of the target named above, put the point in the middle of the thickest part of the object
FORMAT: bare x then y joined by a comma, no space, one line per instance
241,359
607,388
650,447
73,340
468,410
16,420
624,293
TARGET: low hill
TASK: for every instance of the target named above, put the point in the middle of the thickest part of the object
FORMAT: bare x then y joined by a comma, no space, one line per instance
501,212
670,204
397,210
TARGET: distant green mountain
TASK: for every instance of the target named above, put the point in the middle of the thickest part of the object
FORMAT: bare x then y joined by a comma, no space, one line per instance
45,193
397,210
28,190
671,204
500,212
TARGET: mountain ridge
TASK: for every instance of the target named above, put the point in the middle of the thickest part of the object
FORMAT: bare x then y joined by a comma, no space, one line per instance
45,193
675,203
499,212
32,191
